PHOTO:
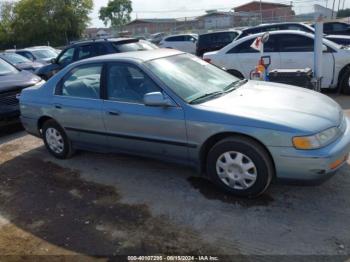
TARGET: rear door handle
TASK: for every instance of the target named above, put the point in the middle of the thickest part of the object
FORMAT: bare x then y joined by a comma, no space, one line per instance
58,106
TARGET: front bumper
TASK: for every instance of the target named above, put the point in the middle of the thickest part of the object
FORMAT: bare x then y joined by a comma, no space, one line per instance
311,165
9,115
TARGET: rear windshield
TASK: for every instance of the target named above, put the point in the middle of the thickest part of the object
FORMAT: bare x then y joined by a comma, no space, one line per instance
6,68
224,37
135,46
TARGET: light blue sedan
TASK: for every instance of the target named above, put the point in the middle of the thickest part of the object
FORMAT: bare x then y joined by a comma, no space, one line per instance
173,106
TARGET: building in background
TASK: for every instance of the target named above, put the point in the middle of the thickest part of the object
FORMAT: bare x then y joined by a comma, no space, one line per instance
96,33
326,13
318,10
267,12
152,26
216,20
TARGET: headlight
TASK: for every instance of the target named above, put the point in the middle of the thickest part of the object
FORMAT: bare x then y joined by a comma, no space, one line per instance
316,141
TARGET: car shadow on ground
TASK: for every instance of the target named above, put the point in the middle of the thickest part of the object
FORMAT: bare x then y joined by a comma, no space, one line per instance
55,205
342,100
58,206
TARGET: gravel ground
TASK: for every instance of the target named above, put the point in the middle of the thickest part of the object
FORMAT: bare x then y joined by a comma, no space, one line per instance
98,205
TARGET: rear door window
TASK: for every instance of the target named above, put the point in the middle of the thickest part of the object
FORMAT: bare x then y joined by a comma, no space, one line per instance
82,82
179,38
245,47
86,51
296,43
337,27
101,49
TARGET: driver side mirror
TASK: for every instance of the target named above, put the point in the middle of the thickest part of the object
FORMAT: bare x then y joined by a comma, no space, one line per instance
157,99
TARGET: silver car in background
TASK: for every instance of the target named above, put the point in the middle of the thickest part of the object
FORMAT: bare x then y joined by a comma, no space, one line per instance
176,107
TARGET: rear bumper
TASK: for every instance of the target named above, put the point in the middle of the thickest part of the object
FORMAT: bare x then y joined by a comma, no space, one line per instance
311,166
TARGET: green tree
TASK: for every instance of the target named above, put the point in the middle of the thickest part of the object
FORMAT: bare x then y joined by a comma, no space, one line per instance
117,13
6,21
38,22
343,13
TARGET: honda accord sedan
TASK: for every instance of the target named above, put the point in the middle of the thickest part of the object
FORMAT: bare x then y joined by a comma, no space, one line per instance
173,106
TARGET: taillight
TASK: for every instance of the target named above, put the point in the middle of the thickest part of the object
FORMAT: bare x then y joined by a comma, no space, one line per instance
207,60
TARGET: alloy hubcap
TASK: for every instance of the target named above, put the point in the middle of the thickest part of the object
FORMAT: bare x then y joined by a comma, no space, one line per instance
54,140
236,170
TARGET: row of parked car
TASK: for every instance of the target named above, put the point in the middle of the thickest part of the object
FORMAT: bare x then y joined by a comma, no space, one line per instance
199,44
290,46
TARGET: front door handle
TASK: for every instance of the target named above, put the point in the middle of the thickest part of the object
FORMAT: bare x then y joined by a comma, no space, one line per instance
113,113
58,106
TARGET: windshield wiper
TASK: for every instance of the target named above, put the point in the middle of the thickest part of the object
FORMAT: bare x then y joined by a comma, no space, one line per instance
208,95
228,89
235,85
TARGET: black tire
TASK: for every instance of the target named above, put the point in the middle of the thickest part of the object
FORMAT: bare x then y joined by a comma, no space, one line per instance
67,150
257,154
236,73
344,82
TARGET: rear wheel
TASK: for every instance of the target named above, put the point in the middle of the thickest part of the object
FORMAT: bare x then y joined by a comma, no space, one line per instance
56,140
240,166
236,73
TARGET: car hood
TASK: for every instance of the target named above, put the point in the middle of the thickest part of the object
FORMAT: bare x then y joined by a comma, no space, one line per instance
18,81
278,106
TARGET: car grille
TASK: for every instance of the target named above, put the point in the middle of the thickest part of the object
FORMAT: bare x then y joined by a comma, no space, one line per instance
9,99
9,104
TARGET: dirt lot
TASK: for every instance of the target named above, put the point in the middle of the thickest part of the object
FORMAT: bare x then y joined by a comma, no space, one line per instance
98,206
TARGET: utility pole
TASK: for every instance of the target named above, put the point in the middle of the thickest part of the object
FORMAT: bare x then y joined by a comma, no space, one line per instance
333,9
261,16
343,5
338,6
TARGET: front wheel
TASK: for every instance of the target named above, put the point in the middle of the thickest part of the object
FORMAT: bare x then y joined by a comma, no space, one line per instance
345,82
56,140
240,166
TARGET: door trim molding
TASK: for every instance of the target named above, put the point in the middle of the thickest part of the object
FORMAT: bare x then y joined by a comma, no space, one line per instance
154,140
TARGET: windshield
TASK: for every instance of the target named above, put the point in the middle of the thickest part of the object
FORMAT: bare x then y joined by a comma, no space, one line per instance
190,77
6,68
15,59
136,46
44,54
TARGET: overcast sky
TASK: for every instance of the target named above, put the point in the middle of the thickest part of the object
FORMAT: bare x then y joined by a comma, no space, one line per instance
189,8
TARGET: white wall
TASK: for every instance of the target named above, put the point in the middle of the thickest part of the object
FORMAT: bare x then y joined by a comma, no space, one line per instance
213,22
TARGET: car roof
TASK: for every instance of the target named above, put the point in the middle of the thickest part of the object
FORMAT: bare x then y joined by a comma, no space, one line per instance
182,35
141,56
278,32
281,23
220,32
102,40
